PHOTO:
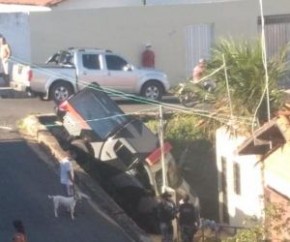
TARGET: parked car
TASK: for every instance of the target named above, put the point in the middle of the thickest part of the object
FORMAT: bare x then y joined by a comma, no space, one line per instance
127,152
69,71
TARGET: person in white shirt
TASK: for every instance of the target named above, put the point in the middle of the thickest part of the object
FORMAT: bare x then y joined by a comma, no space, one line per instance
67,173
5,53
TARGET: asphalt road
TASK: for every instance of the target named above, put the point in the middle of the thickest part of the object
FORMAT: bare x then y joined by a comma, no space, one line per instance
25,183
27,179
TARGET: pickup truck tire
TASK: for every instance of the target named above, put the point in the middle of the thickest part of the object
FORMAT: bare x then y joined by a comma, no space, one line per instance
152,90
60,91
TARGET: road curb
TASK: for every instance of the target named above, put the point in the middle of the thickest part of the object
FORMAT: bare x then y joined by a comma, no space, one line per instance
31,126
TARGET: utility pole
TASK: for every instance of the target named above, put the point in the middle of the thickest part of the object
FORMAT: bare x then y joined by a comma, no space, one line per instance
165,187
161,141
264,58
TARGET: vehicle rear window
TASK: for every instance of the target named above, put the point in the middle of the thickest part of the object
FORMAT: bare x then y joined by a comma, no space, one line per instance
91,61
100,112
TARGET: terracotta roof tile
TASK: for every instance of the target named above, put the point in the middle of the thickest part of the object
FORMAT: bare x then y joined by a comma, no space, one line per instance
32,2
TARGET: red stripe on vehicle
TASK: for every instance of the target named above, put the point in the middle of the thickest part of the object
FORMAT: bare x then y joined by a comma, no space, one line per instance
155,156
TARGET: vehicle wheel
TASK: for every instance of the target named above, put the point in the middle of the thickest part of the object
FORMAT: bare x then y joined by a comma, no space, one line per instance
152,90
188,99
60,91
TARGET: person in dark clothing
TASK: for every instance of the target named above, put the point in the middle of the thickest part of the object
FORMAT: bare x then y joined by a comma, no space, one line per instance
188,220
166,212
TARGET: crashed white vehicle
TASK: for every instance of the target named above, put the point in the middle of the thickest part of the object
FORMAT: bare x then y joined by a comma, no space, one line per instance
127,153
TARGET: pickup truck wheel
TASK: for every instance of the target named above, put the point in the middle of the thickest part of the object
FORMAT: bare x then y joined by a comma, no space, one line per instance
152,90
60,91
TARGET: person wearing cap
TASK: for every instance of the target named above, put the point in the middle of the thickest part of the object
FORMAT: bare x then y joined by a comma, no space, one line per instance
166,213
198,71
188,219
148,57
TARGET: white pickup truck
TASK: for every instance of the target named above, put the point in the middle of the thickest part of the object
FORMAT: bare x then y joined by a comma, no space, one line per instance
69,71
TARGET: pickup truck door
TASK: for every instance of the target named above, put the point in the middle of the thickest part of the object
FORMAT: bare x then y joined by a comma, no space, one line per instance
90,69
121,76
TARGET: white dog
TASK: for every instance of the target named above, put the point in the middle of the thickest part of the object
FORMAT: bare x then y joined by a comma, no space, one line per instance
68,202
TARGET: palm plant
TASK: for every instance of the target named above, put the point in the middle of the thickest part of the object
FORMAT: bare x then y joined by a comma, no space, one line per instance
244,96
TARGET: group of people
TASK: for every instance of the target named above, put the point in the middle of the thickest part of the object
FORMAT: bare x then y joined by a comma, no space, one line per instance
186,214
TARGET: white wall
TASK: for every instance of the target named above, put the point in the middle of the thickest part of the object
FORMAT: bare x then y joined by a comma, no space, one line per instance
15,28
127,29
94,4
277,166
249,202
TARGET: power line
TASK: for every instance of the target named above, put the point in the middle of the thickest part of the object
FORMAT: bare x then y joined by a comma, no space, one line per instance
218,117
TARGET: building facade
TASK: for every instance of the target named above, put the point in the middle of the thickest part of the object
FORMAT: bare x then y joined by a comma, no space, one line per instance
180,34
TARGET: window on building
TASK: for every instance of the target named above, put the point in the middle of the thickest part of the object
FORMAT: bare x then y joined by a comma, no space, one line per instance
237,179
277,32
277,35
198,40
91,61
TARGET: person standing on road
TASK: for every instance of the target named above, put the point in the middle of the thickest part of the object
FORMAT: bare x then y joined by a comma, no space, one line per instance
166,212
5,53
67,173
19,235
188,220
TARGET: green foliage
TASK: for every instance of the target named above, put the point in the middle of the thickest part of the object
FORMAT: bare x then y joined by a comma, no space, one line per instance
254,234
275,221
180,130
246,78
